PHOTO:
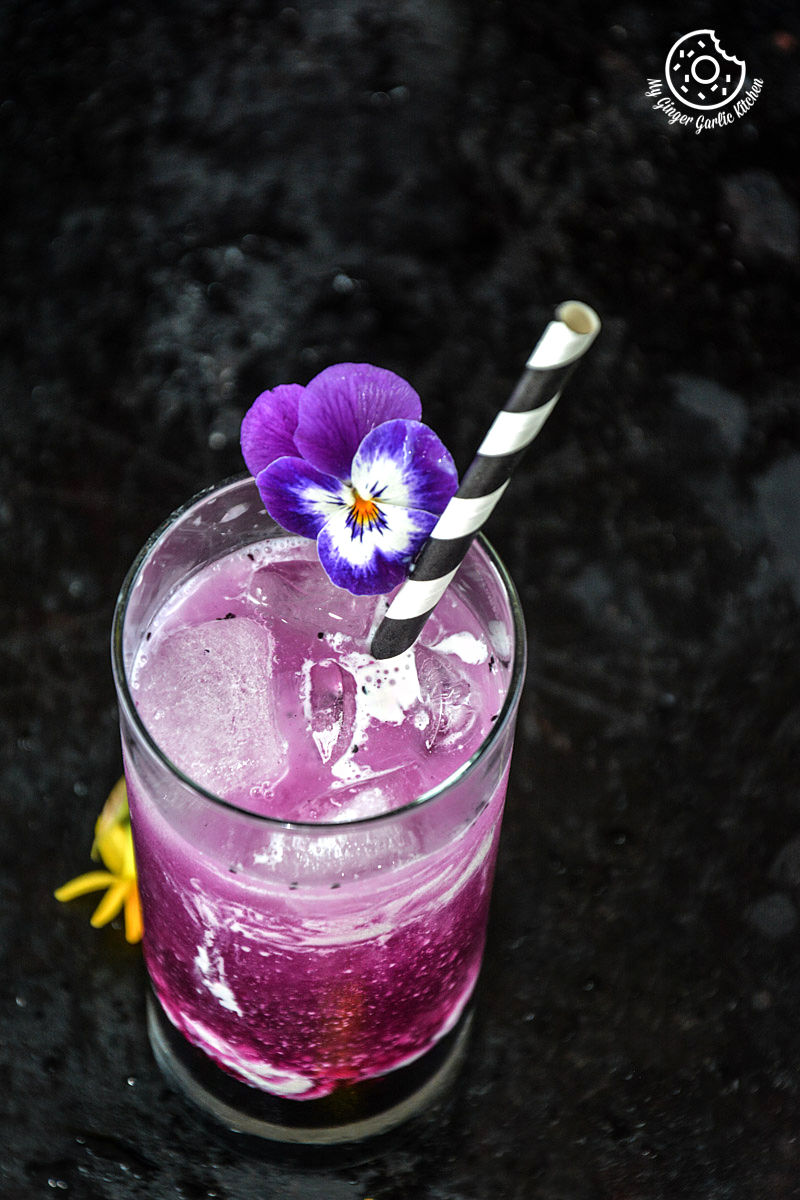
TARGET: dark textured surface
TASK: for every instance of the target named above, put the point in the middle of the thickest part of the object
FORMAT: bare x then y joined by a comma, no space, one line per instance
205,199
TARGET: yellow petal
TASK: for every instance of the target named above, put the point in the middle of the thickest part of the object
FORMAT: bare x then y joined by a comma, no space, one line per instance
128,861
133,916
111,843
114,812
115,809
111,903
83,884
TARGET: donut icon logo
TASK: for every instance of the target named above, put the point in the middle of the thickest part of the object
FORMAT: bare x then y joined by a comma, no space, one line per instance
700,74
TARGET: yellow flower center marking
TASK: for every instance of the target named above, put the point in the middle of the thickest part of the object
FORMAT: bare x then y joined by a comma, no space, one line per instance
364,510
364,513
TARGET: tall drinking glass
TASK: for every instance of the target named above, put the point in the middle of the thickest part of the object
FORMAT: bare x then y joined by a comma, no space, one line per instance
311,980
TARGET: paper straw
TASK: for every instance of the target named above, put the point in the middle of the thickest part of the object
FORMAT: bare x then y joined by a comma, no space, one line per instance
563,343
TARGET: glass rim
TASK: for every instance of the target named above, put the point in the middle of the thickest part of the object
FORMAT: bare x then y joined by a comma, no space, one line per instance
130,710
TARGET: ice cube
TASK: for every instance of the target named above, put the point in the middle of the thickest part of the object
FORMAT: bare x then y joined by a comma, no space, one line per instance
330,707
206,696
382,792
446,696
300,595
377,792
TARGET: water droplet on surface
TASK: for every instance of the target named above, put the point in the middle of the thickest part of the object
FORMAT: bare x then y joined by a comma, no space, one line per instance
343,284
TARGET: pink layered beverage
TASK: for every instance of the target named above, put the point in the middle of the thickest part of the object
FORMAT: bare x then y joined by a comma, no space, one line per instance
315,831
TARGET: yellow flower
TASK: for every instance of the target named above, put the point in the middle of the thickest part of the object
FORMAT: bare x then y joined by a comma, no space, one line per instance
113,844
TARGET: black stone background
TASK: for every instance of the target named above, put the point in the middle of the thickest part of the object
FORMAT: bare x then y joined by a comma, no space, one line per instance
206,199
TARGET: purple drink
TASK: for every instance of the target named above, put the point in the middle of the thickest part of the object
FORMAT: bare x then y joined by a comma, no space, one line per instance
315,832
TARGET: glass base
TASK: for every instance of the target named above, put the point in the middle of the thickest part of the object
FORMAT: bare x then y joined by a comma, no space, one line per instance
349,1114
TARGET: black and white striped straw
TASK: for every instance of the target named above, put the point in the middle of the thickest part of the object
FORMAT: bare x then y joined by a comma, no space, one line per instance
563,343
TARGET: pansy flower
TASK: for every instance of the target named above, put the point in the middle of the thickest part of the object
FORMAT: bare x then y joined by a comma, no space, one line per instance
347,461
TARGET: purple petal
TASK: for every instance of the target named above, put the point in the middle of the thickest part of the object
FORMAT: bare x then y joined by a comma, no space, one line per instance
268,427
403,462
374,559
341,405
298,496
